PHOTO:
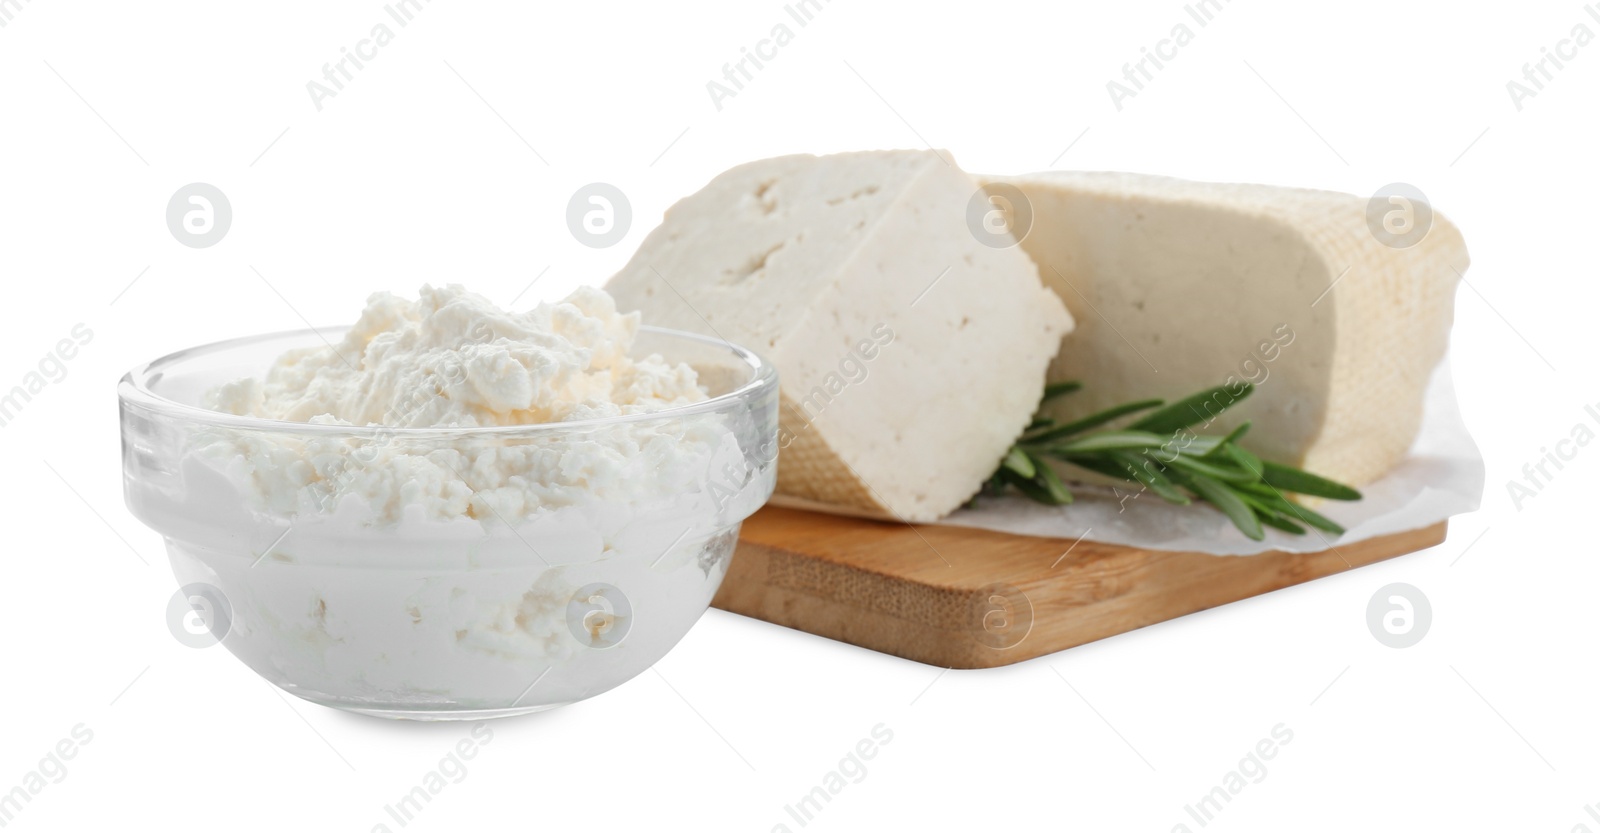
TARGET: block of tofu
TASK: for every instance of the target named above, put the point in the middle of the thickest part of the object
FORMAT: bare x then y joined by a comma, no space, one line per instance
1178,286
910,354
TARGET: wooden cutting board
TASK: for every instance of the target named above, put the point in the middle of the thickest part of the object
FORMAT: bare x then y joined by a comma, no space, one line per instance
971,598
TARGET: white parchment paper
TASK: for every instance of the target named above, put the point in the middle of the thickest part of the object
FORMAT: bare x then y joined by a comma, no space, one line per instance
1442,476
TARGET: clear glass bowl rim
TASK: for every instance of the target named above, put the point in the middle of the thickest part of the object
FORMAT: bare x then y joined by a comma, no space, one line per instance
135,389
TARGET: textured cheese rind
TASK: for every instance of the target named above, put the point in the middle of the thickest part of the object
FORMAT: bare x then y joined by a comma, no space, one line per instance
857,276
1176,285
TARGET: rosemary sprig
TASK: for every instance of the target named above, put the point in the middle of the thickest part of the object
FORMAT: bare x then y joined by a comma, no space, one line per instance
1160,453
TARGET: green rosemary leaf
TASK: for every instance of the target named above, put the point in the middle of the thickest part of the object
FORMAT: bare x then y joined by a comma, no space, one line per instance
1272,513
1058,389
1283,506
1030,488
1276,521
1232,437
1290,479
1051,481
1310,518
1224,498
1201,407
1148,472
1018,461
1111,441
1245,460
1193,465
1195,445
1078,426
1099,463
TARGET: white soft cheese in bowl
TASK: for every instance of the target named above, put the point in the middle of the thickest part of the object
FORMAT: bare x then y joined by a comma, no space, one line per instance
448,510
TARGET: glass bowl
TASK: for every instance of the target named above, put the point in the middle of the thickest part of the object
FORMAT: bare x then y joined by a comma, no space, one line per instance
445,573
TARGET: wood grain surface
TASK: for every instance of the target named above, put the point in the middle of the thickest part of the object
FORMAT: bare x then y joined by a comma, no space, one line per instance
971,598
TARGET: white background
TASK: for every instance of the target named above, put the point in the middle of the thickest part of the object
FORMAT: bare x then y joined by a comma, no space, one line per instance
451,158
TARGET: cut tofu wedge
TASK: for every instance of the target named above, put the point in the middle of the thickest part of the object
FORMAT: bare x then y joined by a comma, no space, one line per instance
910,354
1178,286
